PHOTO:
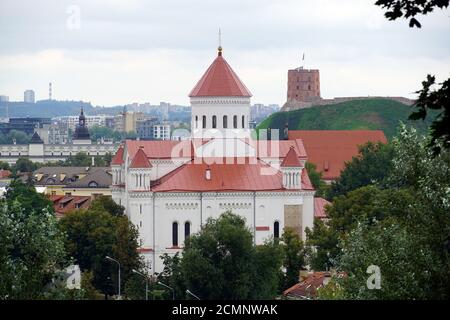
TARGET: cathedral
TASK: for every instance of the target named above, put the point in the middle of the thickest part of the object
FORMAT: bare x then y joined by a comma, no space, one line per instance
170,188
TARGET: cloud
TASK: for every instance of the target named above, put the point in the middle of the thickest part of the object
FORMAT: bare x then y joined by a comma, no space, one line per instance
135,50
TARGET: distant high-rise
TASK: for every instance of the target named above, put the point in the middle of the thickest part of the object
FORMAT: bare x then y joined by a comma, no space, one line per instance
4,98
50,91
28,96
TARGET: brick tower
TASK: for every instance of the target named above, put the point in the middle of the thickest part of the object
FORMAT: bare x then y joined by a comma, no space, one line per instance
303,85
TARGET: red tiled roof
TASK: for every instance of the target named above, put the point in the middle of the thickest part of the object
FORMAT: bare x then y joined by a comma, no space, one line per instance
220,80
291,159
4,174
279,148
118,157
248,176
330,149
140,160
160,149
319,208
307,288
64,204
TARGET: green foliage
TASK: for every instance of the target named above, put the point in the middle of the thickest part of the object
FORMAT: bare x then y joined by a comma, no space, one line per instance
107,204
23,164
31,251
25,194
81,159
316,179
403,228
98,132
19,137
293,257
405,261
220,262
435,100
370,167
4,166
409,9
92,235
322,243
366,114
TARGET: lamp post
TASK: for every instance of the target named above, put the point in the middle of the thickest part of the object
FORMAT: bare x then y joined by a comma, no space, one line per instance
190,293
146,282
119,297
170,288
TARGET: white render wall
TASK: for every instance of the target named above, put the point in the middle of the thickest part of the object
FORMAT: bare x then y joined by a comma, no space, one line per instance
154,213
219,107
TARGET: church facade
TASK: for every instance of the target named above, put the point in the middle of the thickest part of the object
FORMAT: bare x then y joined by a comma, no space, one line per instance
170,188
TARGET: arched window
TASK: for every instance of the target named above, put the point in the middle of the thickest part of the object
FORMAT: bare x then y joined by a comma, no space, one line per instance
225,122
175,234
187,230
276,229
214,122
235,122
93,184
196,122
243,122
204,122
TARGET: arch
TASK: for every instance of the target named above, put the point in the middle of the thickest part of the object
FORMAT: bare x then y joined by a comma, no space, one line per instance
187,230
93,184
175,234
225,122
214,122
276,229
204,122
235,122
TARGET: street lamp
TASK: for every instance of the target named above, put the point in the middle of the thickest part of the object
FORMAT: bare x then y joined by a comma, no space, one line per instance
118,263
170,288
190,293
146,282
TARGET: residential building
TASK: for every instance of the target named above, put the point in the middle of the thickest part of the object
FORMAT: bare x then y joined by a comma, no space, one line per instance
28,96
161,132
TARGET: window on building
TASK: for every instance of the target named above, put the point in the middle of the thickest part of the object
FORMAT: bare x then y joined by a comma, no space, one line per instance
196,122
140,208
225,122
187,229
235,122
243,122
309,87
276,229
214,122
204,122
298,87
175,234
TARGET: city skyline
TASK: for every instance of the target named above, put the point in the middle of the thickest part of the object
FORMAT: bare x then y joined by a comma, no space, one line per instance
118,53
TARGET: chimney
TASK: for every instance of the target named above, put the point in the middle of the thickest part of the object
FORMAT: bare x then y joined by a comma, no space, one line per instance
208,174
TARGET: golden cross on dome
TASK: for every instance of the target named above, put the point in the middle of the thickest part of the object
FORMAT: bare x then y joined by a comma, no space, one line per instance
220,43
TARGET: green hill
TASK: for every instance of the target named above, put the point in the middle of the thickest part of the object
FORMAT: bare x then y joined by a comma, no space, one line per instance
365,114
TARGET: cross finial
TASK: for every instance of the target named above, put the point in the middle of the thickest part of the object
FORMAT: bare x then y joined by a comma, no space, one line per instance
220,43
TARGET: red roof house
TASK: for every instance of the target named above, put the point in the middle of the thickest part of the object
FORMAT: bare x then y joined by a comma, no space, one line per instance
329,150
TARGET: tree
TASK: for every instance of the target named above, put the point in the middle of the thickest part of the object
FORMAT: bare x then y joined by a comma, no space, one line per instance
370,167
92,235
404,260
316,179
293,257
106,203
31,251
410,8
403,229
435,100
26,195
221,262
24,164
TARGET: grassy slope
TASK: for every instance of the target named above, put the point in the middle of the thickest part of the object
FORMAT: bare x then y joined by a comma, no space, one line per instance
368,114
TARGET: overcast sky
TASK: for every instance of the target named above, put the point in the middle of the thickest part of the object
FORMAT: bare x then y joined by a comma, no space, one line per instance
120,52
